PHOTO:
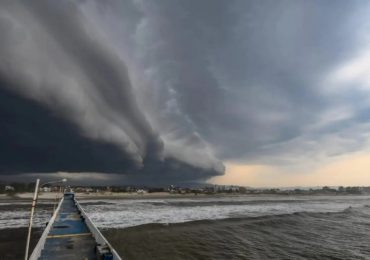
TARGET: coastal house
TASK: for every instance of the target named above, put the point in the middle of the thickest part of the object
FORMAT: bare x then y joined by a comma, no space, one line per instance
9,188
45,189
141,191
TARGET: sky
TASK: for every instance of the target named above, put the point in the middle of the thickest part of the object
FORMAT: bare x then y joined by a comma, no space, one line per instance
256,93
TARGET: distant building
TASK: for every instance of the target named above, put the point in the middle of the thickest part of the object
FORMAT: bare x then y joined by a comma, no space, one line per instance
141,191
365,190
84,189
9,188
45,189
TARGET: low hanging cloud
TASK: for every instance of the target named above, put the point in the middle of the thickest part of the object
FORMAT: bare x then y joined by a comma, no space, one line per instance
168,90
248,77
69,101
61,65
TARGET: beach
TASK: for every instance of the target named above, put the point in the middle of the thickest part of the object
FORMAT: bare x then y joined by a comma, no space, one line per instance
105,195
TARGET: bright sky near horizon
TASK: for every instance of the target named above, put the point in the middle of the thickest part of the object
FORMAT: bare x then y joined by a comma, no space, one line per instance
349,170
255,93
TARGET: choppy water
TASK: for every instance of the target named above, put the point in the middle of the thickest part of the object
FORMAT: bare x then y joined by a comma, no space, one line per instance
334,235
16,213
126,213
261,227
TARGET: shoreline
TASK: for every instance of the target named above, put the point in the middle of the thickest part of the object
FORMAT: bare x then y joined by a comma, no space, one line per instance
103,195
51,196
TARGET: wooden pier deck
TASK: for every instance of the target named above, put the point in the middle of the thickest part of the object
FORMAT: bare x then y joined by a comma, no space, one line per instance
72,235
69,237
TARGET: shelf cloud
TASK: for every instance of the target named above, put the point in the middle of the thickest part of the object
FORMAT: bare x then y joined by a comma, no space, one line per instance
81,112
167,91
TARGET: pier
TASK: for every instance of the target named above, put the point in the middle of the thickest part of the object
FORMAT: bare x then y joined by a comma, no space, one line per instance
70,234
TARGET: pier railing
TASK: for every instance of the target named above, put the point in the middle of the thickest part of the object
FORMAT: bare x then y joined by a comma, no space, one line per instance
40,245
99,238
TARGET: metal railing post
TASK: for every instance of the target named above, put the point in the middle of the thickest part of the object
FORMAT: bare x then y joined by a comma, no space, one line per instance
31,218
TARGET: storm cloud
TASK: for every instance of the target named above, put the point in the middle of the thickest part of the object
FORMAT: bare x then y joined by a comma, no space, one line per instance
58,65
168,90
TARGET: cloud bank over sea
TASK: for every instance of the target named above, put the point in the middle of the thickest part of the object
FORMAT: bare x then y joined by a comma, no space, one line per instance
168,91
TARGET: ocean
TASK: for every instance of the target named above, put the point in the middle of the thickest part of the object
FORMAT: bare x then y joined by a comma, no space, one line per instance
222,227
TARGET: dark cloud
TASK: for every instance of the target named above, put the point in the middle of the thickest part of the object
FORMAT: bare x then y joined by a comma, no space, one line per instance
247,76
174,87
69,102
106,74
34,139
